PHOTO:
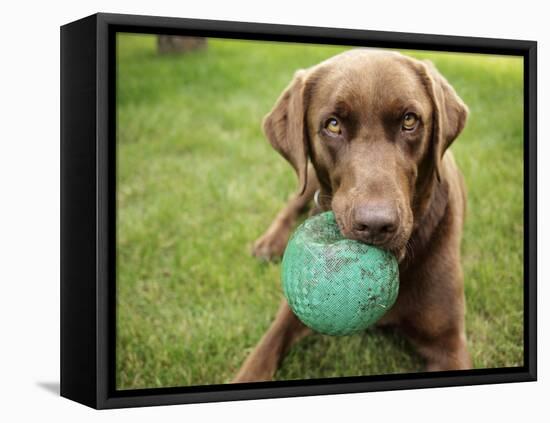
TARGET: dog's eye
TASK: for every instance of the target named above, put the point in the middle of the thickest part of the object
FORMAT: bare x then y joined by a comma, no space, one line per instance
410,120
333,126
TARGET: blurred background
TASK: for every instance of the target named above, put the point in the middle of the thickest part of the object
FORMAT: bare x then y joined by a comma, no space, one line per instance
197,183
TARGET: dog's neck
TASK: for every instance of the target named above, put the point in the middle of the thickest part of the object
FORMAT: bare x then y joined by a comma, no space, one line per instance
322,199
430,210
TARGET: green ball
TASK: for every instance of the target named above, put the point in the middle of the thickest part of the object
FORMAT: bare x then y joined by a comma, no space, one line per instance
335,285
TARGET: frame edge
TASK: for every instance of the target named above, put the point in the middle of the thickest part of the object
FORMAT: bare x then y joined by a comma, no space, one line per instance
78,212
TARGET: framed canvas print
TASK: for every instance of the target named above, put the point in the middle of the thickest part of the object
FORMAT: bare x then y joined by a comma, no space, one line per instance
255,211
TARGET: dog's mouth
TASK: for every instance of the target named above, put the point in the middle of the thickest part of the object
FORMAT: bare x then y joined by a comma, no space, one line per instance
397,245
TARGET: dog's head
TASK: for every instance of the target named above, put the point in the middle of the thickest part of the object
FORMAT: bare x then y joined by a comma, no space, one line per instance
375,126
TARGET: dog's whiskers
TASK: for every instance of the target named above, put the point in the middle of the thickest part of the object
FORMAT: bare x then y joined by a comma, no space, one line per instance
410,248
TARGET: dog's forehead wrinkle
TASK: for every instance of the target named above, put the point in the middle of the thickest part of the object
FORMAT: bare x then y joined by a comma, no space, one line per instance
369,80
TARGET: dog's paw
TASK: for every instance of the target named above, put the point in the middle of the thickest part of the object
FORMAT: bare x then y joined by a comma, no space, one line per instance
271,245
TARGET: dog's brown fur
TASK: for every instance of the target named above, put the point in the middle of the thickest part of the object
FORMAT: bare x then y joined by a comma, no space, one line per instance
375,164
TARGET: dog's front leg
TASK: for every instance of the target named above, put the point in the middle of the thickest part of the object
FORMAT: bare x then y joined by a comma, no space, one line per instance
262,363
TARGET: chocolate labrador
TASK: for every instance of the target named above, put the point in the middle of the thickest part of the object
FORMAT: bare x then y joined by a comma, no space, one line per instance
368,132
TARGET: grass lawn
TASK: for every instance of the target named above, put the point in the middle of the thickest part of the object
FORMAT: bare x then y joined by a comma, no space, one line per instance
198,183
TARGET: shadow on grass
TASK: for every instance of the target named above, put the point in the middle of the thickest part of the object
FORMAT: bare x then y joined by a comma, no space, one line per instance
334,355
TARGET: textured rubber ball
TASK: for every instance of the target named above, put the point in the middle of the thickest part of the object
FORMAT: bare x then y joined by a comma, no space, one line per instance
335,285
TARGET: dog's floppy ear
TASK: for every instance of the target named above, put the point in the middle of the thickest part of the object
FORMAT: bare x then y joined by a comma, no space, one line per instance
286,130
449,114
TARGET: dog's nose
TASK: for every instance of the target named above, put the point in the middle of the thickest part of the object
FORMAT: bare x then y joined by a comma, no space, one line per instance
375,223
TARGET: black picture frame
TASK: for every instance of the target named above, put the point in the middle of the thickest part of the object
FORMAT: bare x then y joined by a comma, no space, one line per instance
88,209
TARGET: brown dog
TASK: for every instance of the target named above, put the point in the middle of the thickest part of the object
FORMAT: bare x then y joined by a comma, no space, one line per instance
376,127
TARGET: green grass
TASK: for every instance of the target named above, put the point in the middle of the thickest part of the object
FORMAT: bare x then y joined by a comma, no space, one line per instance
198,183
